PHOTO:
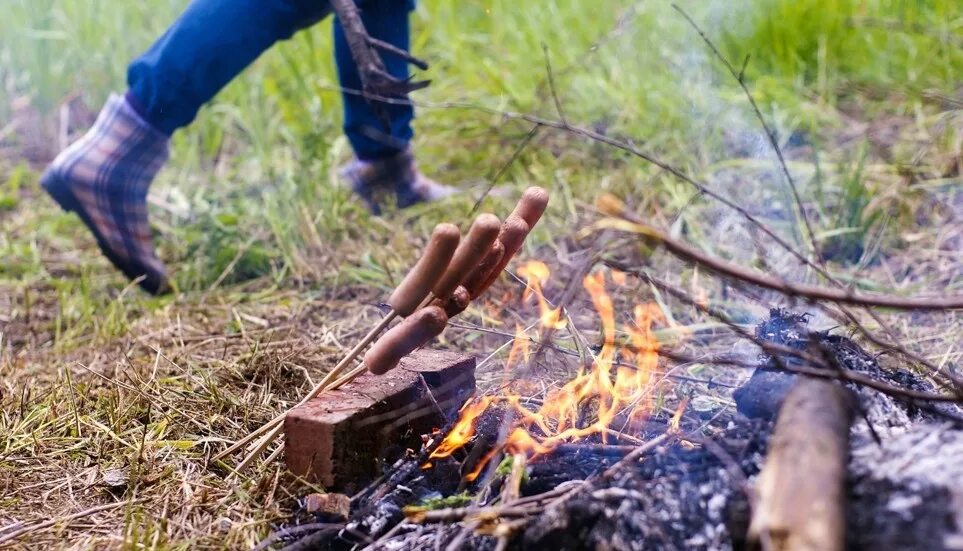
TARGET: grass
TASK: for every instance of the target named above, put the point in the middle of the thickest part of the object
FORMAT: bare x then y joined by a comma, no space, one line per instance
272,258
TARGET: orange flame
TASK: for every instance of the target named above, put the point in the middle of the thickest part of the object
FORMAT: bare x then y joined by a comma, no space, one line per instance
536,274
464,429
519,348
677,418
608,389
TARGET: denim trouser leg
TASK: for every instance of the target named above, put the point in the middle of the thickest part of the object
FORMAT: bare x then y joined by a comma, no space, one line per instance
214,40
388,21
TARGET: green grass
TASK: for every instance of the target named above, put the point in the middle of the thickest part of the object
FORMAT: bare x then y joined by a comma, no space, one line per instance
271,258
274,132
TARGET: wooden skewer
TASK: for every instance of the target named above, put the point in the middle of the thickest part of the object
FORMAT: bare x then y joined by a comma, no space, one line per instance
435,274
413,291
415,331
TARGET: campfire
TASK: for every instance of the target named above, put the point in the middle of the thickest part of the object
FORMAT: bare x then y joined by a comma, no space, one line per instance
591,434
602,396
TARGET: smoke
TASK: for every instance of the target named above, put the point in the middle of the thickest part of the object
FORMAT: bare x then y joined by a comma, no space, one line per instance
728,149
738,158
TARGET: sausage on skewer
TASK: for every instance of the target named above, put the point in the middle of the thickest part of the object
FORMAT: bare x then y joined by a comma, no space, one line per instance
480,237
456,303
532,205
416,330
427,271
477,278
512,237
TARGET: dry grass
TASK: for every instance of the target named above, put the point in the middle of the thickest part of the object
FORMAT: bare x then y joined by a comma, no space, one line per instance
107,395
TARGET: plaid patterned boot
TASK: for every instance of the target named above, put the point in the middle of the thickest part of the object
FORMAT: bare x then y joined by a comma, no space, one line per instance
103,177
397,174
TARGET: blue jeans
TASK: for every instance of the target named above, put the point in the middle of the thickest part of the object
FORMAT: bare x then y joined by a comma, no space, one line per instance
214,40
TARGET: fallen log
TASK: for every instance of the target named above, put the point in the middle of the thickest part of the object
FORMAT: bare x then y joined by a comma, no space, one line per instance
801,495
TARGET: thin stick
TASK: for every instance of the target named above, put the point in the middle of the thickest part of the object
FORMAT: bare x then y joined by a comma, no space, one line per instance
777,351
504,168
770,133
394,50
274,427
813,292
511,491
611,142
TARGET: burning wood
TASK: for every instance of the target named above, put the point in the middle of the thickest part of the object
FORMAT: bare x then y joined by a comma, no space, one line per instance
614,392
565,484
801,488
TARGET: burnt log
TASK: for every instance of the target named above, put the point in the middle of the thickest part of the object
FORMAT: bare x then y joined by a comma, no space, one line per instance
801,492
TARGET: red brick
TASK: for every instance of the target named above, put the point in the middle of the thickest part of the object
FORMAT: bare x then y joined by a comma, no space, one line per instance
341,438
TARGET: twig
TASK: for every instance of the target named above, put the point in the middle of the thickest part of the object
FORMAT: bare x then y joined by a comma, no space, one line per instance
897,348
394,50
374,77
272,435
612,142
635,455
551,84
568,294
776,351
504,168
323,385
510,492
575,354
527,507
770,134
812,292
314,540
294,531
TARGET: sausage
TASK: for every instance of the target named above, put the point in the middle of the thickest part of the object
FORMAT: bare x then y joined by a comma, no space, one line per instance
477,278
484,230
455,304
513,234
531,206
416,330
427,271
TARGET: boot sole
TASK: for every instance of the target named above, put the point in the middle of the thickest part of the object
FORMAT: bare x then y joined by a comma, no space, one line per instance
60,191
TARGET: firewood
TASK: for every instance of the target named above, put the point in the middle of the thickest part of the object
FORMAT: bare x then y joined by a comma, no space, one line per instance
801,488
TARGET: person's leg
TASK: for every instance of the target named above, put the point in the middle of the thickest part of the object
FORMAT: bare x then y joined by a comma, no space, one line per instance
208,45
386,20
104,177
384,158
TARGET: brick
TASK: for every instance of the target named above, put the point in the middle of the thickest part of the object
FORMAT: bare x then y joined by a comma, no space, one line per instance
449,375
342,438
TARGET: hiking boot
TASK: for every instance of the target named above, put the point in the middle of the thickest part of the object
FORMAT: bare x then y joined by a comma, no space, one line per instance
397,174
104,177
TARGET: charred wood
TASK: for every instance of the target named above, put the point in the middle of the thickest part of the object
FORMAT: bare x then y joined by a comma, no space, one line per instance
802,487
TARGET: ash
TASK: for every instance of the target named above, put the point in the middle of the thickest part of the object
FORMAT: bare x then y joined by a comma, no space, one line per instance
681,497
906,491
